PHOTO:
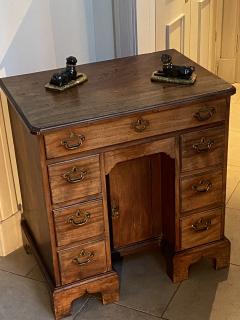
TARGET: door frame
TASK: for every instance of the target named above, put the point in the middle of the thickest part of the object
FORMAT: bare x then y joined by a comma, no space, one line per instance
219,60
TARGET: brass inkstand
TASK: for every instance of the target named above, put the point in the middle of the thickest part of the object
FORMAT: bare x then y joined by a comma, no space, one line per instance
68,78
174,74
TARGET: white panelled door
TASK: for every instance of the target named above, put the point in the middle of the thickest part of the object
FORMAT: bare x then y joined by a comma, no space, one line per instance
228,40
202,37
173,25
188,26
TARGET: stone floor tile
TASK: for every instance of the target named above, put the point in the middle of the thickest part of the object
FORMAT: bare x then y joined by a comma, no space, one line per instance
22,298
95,310
35,274
196,298
18,262
232,232
234,148
234,201
144,284
235,116
233,178
236,97
226,305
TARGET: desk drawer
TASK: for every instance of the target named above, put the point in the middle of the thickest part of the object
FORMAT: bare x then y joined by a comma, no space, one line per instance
201,228
203,148
77,139
82,262
79,222
201,190
74,179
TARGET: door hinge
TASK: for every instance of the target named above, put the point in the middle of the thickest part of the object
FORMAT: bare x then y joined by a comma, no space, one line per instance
19,206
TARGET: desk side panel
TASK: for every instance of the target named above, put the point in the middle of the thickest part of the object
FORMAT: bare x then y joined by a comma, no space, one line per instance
35,211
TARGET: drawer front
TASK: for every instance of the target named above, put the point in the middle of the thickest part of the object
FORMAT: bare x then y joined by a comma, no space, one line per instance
70,141
74,179
201,190
79,223
82,262
202,148
201,228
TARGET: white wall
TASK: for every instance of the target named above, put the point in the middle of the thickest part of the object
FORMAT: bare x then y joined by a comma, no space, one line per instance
146,26
28,38
73,30
40,34
103,29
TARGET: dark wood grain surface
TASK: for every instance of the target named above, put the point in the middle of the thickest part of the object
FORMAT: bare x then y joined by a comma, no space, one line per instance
116,87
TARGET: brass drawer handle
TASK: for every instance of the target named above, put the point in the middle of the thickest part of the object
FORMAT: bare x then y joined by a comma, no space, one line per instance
204,145
73,142
83,258
75,175
202,225
140,125
202,186
80,218
115,209
205,114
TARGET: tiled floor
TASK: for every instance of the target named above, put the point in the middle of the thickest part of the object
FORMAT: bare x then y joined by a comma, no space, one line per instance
146,291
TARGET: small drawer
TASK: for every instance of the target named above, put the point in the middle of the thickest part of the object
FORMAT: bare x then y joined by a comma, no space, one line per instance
74,179
82,262
203,148
107,133
79,222
201,190
200,228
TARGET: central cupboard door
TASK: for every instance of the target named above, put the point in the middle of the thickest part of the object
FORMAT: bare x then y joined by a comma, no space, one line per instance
135,201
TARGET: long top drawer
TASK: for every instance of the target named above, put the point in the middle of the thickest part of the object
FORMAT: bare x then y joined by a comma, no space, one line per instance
78,139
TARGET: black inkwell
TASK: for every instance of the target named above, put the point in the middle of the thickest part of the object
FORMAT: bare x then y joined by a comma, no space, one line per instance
67,78
174,73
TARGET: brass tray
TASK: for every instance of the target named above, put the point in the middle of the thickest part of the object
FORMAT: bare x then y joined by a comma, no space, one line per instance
81,78
157,77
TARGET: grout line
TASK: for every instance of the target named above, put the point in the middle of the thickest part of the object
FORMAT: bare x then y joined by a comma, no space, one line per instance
234,264
117,304
137,310
20,275
83,306
232,194
171,299
30,270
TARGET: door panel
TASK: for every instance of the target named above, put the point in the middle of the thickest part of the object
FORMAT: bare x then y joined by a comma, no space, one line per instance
227,48
173,25
201,35
135,208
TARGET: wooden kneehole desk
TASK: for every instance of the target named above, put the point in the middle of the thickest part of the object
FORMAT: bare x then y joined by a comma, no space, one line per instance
117,165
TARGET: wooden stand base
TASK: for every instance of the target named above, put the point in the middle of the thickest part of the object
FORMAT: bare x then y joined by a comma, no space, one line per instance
107,285
178,263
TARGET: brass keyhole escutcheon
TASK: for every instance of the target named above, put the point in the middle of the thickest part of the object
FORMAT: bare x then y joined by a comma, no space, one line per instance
115,209
140,125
